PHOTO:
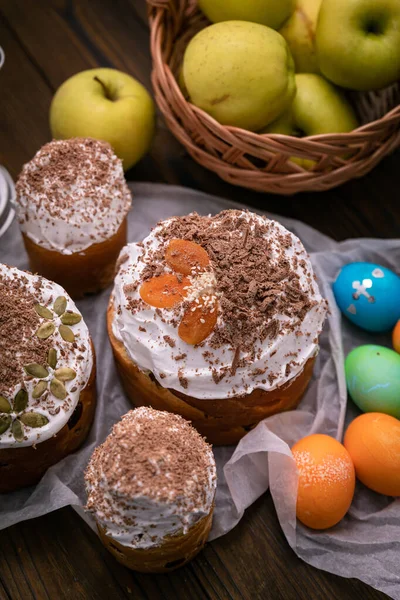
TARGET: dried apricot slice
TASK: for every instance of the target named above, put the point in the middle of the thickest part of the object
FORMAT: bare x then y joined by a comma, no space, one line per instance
164,291
198,322
182,256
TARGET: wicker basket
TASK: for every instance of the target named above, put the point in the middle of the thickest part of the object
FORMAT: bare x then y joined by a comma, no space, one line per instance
255,161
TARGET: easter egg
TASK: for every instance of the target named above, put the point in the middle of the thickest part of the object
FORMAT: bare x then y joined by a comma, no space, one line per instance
368,295
326,481
396,337
373,379
373,442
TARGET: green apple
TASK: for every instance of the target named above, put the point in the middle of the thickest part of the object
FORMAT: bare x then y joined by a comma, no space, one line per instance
108,105
299,32
240,73
318,107
272,13
358,42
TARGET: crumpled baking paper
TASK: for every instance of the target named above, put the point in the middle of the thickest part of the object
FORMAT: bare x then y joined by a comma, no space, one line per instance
366,544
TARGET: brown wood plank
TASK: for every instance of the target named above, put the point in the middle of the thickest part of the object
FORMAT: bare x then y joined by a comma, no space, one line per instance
251,562
45,31
265,567
24,101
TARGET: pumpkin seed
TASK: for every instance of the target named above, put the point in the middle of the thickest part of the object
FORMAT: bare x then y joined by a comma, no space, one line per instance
45,330
44,312
66,333
58,389
5,406
36,370
17,430
70,318
39,389
20,400
65,374
5,422
60,304
52,358
33,419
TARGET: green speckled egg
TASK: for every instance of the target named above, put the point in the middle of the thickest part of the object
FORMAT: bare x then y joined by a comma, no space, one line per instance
373,379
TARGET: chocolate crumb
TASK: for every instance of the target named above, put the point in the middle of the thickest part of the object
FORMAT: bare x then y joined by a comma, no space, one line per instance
235,360
169,341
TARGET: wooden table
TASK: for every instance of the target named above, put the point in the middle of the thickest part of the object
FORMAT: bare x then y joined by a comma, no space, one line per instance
57,556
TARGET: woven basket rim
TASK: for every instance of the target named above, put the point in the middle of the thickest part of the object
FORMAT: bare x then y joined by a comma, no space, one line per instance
262,161
392,114
319,138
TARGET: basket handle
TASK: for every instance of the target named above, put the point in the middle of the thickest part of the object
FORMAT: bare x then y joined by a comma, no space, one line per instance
160,3
166,18
172,6
177,10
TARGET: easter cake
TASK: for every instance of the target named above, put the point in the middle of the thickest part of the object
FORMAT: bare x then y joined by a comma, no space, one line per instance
216,318
47,377
151,488
72,201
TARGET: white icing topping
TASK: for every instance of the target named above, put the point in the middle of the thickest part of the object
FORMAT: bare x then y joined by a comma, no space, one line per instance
69,207
144,332
80,359
138,520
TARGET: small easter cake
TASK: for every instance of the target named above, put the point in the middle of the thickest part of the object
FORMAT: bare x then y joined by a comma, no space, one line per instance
72,201
151,488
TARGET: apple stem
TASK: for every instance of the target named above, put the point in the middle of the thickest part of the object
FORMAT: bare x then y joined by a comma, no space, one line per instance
103,85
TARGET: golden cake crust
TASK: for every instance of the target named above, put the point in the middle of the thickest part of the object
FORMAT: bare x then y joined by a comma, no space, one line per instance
221,421
81,273
25,466
174,552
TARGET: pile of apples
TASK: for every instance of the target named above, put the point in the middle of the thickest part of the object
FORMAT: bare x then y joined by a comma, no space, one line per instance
280,66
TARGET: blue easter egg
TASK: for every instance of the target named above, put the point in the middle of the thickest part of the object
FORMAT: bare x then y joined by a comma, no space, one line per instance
368,295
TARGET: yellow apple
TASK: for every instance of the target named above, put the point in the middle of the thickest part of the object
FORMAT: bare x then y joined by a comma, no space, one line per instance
299,32
105,104
241,73
318,107
266,12
182,84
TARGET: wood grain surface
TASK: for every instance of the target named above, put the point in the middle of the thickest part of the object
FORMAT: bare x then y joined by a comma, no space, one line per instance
58,556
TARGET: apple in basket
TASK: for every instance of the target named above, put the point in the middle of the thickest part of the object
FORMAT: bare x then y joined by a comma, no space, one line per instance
266,12
299,32
241,73
105,104
318,107
358,42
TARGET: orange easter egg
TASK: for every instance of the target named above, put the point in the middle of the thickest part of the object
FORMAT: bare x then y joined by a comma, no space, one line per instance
326,481
396,337
373,442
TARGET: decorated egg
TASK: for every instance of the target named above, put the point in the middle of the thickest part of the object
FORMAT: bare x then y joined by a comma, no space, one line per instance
396,337
368,295
373,442
373,379
326,481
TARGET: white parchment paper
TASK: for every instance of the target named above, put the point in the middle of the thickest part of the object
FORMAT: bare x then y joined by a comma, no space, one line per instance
366,544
